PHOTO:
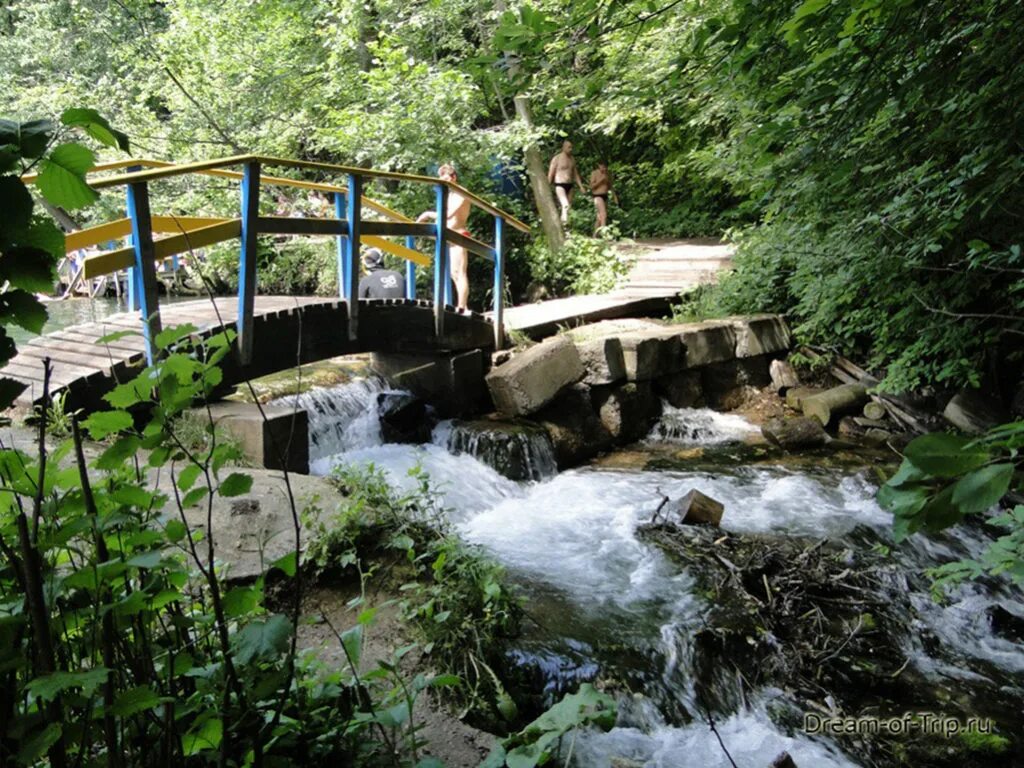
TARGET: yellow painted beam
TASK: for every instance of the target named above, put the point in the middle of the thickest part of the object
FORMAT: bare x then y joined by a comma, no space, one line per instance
112,261
101,233
178,224
397,250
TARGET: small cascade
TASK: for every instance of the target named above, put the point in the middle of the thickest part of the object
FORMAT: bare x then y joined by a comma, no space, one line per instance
700,426
341,418
516,451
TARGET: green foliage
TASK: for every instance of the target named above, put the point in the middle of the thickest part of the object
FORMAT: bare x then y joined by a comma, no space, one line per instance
584,265
945,477
290,266
541,740
455,596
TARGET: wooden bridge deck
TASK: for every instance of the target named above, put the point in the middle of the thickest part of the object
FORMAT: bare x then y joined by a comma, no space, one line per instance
663,269
288,330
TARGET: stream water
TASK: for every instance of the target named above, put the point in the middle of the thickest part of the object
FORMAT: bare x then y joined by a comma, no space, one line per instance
605,605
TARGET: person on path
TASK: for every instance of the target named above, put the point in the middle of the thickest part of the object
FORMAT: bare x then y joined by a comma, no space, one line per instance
601,189
458,215
380,283
564,174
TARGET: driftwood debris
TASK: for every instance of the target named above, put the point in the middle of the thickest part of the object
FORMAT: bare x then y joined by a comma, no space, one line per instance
783,376
874,410
799,432
825,406
696,508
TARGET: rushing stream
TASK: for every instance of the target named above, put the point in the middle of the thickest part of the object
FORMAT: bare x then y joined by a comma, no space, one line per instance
605,605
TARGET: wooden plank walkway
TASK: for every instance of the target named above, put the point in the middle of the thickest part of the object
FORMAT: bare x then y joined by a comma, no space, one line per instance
663,270
75,353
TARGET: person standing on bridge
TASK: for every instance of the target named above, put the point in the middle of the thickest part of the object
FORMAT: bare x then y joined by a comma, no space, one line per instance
458,215
601,189
565,175
380,283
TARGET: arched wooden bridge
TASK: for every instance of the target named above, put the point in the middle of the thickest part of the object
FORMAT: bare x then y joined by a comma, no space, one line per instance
277,332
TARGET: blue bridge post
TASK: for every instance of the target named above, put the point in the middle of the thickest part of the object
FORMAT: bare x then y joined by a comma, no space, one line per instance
499,282
133,277
340,211
145,270
355,206
250,194
441,279
410,270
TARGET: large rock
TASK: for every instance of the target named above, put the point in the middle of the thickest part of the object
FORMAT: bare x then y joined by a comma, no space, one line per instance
628,411
795,433
602,359
575,430
713,341
972,412
403,418
681,390
518,450
533,378
761,335
728,383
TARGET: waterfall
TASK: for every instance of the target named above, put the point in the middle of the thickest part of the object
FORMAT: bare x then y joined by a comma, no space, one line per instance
518,453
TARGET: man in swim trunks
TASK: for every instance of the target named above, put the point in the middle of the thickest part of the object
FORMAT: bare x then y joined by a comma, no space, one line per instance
601,189
458,215
564,174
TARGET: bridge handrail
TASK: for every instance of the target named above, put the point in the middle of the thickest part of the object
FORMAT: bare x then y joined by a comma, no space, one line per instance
215,164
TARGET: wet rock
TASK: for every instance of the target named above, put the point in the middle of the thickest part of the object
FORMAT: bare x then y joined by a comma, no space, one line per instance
877,437
795,433
725,384
576,432
602,359
681,390
783,761
533,378
971,411
761,335
517,450
713,341
403,418
1006,624
696,508
628,411
849,428
783,376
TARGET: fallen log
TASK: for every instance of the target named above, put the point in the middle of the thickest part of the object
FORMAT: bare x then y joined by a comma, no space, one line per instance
799,432
874,410
795,396
825,406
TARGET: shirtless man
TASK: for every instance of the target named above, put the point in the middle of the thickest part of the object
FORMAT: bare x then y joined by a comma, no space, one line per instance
564,174
458,215
601,189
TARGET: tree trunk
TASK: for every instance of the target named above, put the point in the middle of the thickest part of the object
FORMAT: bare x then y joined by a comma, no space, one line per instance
542,194
846,398
800,432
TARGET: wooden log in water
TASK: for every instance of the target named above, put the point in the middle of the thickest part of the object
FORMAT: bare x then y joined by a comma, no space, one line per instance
695,508
795,396
800,432
827,405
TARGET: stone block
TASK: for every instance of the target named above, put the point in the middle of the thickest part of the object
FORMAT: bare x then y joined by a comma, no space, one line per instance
280,441
723,383
533,378
576,432
713,341
602,359
681,390
761,335
973,412
649,354
628,411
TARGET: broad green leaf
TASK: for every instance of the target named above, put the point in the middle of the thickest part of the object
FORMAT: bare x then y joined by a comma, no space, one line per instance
62,176
135,700
38,745
907,473
241,601
982,489
24,309
442,681
286,564
352,642
120,452
205,736
903,502
43,234
235,484
171,334
48,687
31,138
9,390
940,512
175,530
194,496
28,268
16,211
146,560
188,476
9,156
496,758
103,423
132,496
94,124
945,455
262,639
